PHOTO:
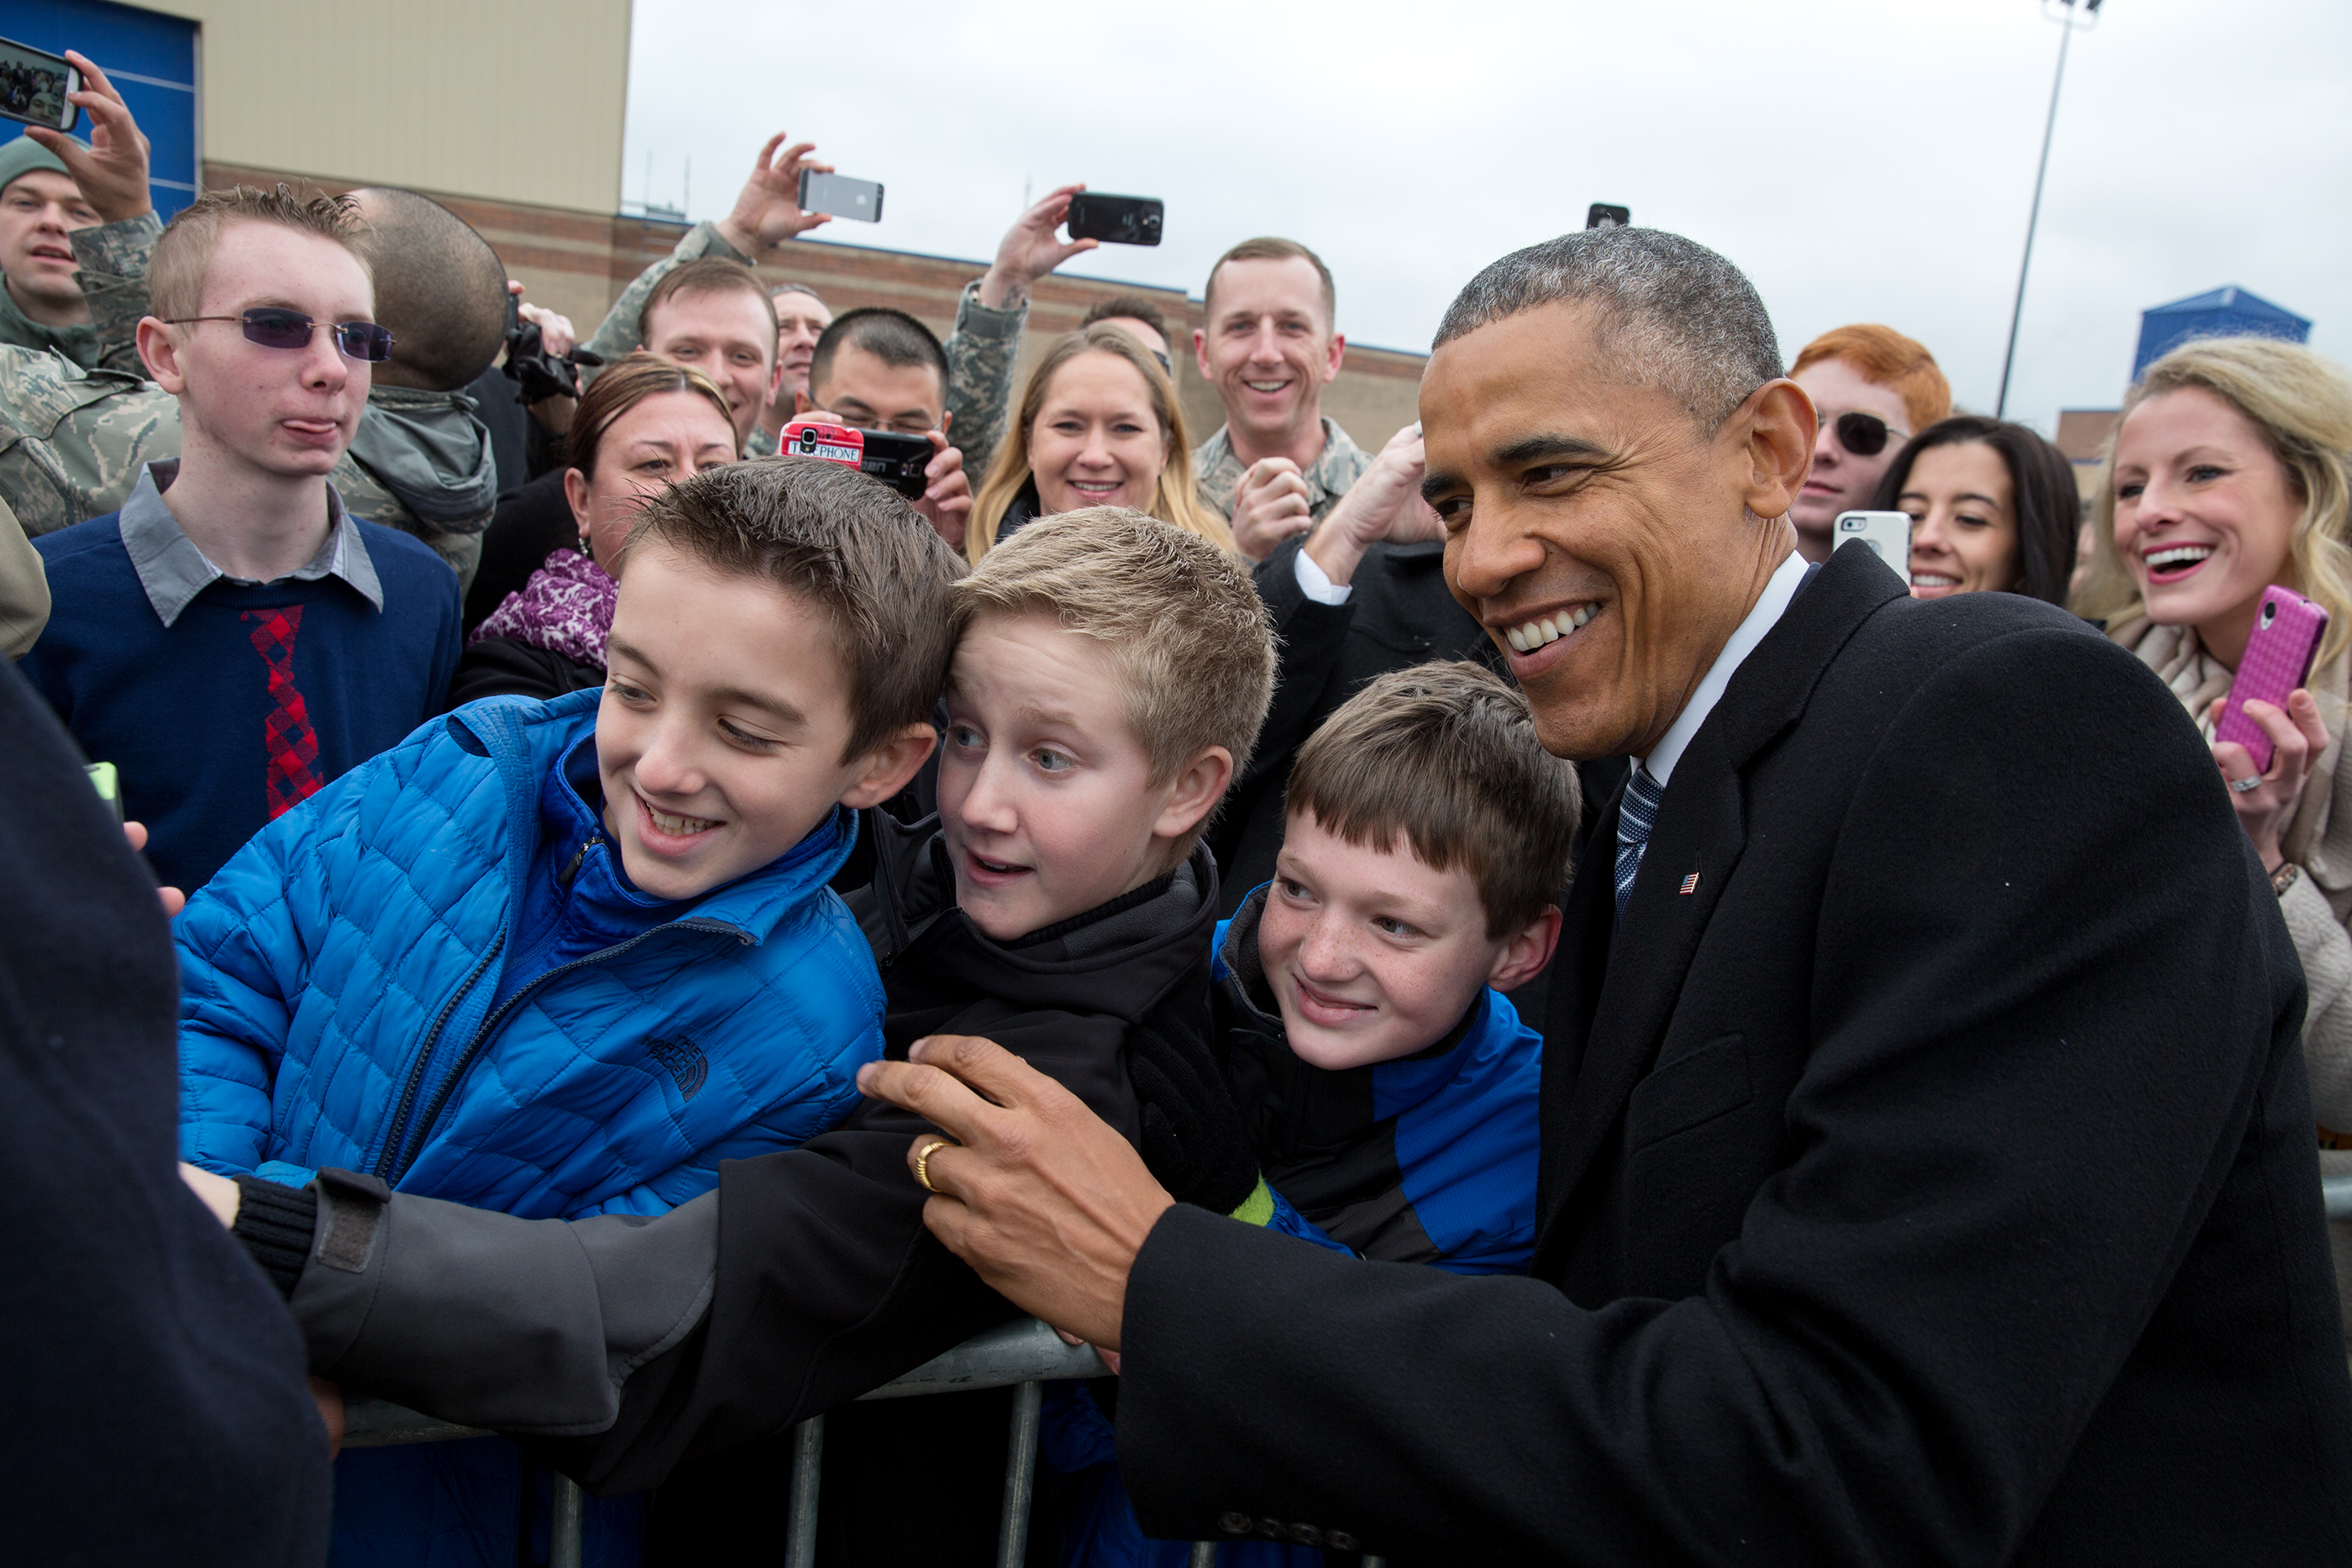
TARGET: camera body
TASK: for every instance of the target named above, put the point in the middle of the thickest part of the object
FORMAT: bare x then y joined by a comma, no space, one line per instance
1116,220
896,460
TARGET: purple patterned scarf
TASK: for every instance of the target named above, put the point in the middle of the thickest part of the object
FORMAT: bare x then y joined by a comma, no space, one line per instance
566,608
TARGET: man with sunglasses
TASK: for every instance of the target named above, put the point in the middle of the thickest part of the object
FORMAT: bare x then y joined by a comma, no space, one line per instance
1872,388
233,638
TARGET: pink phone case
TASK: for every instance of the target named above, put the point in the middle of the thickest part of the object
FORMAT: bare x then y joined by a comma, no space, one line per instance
2279,650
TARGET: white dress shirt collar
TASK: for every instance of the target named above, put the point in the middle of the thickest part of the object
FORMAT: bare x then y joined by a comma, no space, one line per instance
1779,589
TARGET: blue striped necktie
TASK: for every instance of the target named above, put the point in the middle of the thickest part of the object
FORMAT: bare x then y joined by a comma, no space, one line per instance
1637,813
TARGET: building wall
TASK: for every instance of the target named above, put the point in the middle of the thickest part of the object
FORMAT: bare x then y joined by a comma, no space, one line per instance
505,100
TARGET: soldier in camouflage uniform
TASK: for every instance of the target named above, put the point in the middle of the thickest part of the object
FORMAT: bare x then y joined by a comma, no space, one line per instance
1271,346
74,442
1340,466
30,212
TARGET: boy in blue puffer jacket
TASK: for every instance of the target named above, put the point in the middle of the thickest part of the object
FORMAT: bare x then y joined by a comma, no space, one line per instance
1390,1089
562,960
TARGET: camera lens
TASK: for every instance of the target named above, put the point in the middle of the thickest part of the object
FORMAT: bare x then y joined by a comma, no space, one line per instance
2270,611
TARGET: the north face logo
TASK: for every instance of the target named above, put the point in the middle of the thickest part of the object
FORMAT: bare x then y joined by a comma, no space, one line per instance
685,1062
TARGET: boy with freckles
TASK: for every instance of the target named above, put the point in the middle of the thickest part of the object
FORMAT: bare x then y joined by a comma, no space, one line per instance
1390,1089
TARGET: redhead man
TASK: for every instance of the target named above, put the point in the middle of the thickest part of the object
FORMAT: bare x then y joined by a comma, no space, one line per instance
1874,389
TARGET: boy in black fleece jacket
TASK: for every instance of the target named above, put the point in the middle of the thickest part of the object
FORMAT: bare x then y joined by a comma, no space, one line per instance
1110,675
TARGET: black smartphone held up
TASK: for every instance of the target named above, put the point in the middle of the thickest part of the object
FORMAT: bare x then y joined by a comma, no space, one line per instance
34,84
1115,220
896,460
1602,215
842,196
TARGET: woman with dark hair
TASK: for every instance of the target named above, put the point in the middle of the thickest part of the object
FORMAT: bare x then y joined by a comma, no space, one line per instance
1993,509
642,424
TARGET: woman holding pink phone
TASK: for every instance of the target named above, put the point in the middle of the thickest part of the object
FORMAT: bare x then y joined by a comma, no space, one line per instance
2232,478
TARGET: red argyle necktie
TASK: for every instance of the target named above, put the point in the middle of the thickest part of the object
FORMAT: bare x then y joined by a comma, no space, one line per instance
292,744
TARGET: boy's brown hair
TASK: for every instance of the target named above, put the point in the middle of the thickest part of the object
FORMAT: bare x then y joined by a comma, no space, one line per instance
1180,620
853,545
1446,756
184,253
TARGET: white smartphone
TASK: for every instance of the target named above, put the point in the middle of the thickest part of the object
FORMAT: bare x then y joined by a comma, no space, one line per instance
34,84
842,196
1887,533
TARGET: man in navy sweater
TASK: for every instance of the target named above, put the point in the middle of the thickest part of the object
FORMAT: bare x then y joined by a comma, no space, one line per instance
232,640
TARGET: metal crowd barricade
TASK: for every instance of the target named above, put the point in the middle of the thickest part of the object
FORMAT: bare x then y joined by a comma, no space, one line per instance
1022,1356
1025,1357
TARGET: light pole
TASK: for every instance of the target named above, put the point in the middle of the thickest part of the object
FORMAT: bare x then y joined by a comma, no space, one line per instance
2064,15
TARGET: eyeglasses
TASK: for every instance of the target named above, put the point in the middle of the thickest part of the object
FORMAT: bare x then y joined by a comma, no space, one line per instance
275,328
1164,363
1865,434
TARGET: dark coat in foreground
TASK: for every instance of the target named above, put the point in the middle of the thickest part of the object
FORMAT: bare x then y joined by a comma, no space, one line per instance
1927,1175
156,1411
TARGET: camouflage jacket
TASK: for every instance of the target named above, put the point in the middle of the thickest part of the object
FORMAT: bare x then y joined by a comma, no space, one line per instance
77,342
1218,473
982,353
113,278
73,442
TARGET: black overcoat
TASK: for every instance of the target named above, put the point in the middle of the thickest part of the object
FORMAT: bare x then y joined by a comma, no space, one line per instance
1928,1171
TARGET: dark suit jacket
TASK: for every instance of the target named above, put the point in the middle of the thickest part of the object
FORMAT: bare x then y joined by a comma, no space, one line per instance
1928,1172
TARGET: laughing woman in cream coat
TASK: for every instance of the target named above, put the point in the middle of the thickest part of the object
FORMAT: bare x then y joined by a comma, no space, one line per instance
2233,471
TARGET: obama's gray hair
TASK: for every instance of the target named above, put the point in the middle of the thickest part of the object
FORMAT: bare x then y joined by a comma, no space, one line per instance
1672,315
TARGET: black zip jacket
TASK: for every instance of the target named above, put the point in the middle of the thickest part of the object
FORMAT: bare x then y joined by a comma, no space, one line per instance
807,1278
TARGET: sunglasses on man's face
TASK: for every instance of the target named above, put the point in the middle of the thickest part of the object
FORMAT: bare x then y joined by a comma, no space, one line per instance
276,329
1865,434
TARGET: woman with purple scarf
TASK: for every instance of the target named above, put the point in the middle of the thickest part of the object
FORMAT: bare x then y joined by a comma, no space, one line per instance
642,424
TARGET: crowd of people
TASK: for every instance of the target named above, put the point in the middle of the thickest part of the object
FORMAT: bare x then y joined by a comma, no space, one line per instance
1528,1005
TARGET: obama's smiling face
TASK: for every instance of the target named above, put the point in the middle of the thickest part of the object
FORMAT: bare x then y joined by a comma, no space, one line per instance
1607,539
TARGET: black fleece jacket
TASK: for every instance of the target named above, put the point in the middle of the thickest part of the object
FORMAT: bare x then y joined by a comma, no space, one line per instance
808,1277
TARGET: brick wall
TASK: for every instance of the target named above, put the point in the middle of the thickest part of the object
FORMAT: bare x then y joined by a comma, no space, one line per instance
578,263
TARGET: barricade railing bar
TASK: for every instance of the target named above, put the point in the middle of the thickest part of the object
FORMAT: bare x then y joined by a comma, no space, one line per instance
1025,1357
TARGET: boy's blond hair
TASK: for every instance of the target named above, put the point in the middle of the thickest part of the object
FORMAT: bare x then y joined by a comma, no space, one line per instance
1446,755
184,253
1180,620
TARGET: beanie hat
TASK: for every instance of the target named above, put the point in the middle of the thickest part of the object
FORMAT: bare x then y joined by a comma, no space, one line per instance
23,155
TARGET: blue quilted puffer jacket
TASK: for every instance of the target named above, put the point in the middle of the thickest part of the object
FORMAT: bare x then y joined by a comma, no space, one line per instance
337,978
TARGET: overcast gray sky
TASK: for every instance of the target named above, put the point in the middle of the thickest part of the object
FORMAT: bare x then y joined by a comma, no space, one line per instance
1862,159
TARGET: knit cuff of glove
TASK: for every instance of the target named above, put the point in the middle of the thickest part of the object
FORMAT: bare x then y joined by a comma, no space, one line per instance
276,1224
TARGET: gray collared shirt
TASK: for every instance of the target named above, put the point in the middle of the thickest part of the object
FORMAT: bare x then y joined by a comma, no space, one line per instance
174,570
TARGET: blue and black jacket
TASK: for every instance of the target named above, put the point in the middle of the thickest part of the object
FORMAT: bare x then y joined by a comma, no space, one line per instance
1427,1159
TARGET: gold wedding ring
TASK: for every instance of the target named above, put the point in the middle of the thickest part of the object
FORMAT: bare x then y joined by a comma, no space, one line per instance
923,1161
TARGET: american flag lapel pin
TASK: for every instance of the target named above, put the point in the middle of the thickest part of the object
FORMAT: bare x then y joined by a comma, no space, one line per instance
1690,883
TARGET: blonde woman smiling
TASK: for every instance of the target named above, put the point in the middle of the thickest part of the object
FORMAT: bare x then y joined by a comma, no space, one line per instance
1098,425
